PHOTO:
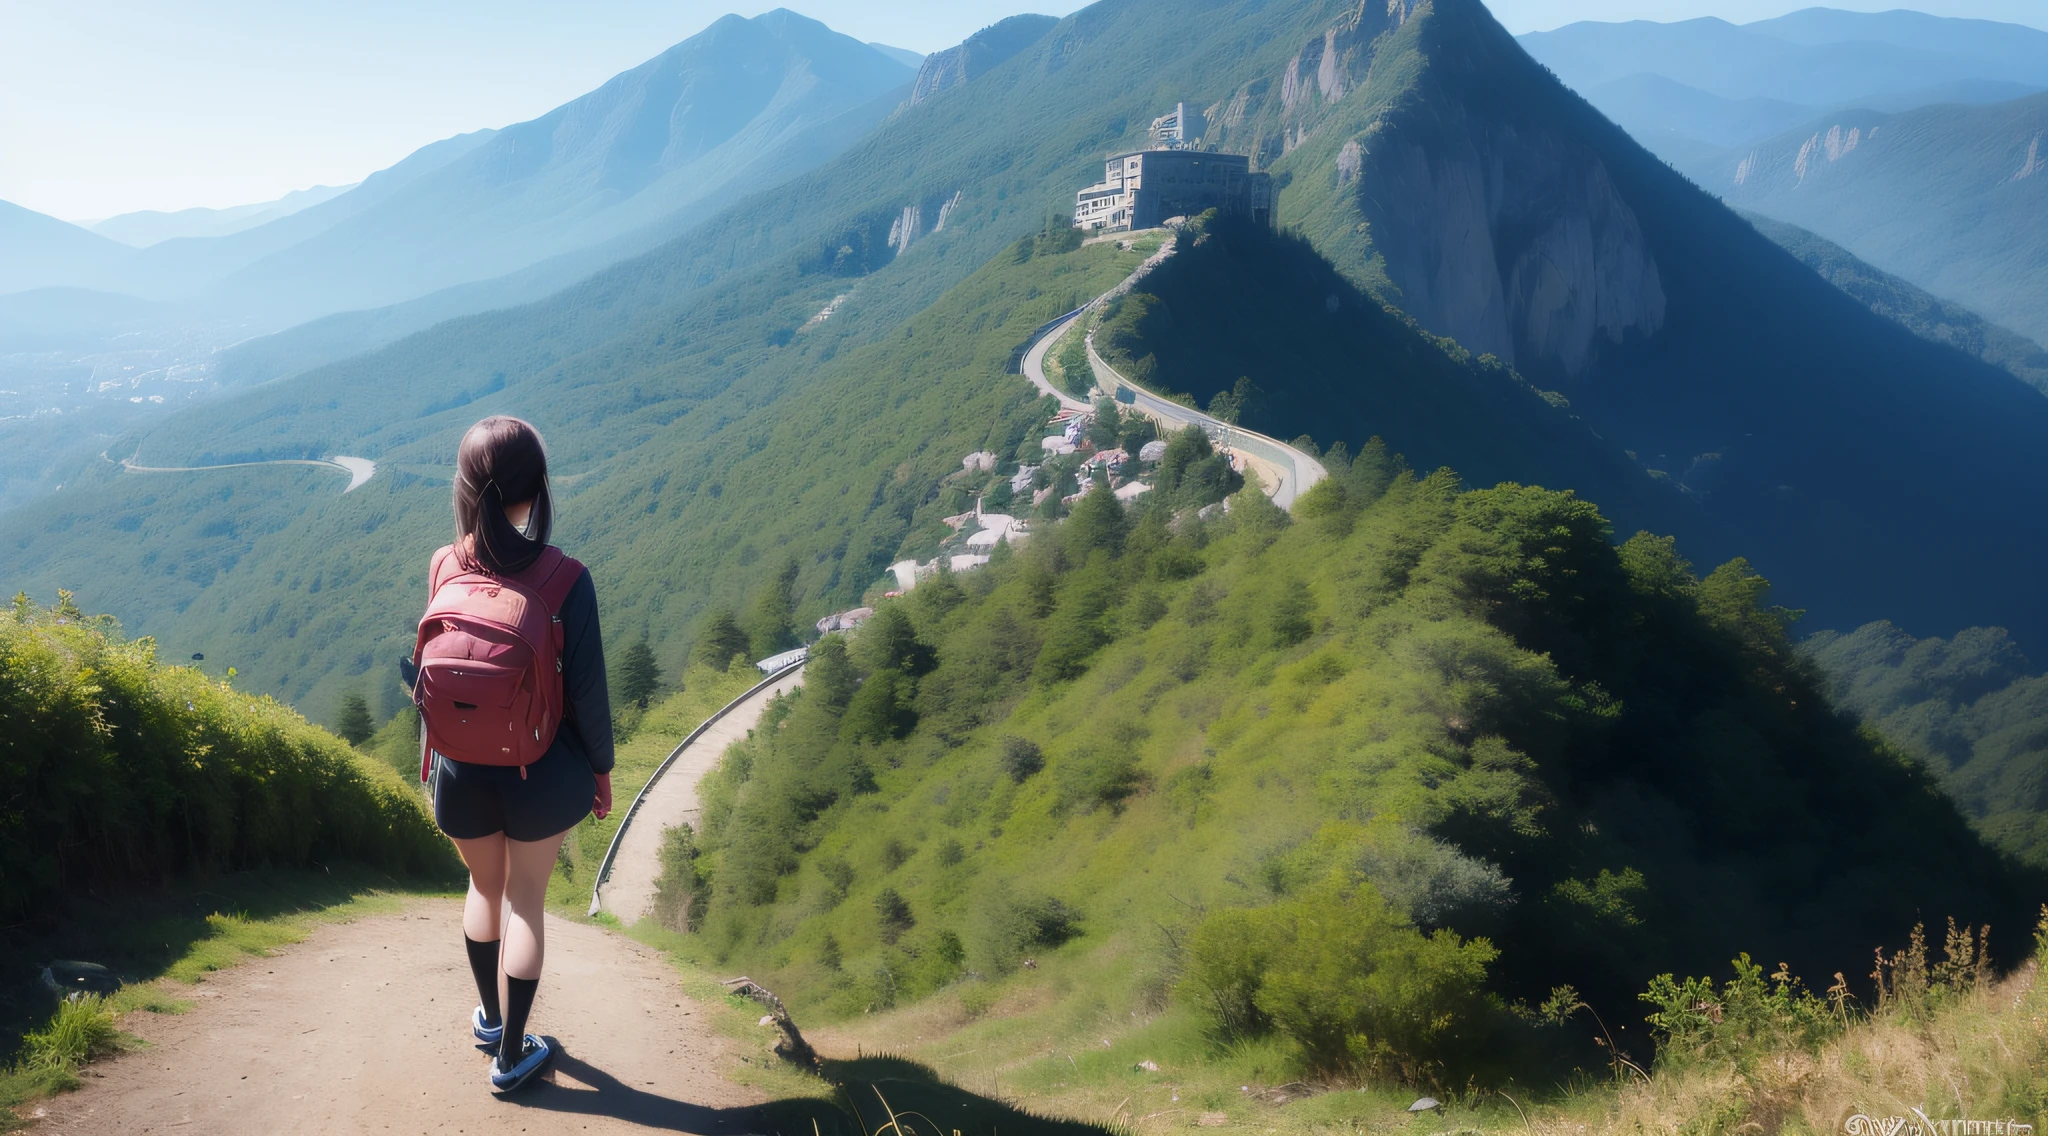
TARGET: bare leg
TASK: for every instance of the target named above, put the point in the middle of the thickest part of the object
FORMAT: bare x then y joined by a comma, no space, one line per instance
482,909
531,863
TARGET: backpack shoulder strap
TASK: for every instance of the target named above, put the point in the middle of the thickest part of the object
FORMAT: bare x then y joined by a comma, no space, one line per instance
443,567
553,576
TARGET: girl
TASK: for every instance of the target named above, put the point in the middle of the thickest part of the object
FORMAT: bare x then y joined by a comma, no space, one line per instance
508,822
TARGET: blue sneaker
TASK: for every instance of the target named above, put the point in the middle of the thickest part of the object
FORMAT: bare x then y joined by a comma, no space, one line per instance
537,1055
489,1035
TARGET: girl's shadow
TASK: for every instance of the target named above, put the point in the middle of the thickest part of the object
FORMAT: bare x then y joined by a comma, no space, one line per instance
867,1096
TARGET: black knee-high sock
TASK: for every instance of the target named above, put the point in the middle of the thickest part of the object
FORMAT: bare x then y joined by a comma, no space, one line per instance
519,994
483,963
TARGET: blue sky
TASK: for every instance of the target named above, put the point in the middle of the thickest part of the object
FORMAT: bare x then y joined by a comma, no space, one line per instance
108,106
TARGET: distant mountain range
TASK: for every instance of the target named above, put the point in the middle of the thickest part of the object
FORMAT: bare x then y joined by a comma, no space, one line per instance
1951,197
1911,141
481,220
39,251
739,106
147,227
1924,314
1702,84
1816,55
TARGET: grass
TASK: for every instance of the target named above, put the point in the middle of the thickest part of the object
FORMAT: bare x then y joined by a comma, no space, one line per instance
1980,1055
160,945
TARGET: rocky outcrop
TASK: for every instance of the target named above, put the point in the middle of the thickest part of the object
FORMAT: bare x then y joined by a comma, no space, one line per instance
955,66
1517,245
1485,222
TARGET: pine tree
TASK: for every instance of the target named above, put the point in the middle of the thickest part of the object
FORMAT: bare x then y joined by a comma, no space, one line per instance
355,725
721,640
639,677
770,623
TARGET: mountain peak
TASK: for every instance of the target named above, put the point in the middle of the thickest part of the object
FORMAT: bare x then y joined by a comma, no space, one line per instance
987,48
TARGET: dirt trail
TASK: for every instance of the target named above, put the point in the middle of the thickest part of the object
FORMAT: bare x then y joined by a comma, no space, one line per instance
364,1027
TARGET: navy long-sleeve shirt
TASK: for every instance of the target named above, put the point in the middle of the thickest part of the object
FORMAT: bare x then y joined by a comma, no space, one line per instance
587,731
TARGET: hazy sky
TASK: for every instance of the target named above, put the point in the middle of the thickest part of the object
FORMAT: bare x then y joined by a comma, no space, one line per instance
108,106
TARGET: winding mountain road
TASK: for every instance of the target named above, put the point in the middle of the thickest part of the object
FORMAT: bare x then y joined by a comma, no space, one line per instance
1283,471
359,470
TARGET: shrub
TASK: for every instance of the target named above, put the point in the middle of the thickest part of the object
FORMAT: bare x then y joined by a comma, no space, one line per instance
1090,779
721,641
1743,1022
121,771
1021,758
681,890
829,678
639,676
1228,965
881,710
1014,924
889,642
354,724
1349,981
1047,922
1431,881
838,878
894,912
896,853
1293,614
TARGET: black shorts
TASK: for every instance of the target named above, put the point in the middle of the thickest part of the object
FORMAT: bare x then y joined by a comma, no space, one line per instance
473,801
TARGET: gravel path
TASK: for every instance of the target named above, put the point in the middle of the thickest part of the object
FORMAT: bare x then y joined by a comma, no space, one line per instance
364,1027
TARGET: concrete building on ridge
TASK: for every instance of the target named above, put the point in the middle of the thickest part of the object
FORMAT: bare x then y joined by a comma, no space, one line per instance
1140,189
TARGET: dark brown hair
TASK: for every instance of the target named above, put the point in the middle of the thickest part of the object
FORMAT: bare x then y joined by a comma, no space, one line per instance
501,461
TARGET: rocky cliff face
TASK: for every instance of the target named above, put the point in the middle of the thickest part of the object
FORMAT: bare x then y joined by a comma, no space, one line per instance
1516,246
1487,226
944,70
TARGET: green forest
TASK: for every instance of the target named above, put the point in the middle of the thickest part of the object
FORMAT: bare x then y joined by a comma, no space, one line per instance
1969,706
1449,750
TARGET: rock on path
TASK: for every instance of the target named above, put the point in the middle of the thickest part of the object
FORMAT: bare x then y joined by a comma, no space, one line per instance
364,1027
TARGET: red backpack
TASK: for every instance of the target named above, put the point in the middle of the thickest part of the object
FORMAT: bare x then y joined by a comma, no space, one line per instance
490,661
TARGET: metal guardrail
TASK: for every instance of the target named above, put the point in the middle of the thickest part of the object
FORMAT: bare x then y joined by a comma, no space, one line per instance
611,853
1022,349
